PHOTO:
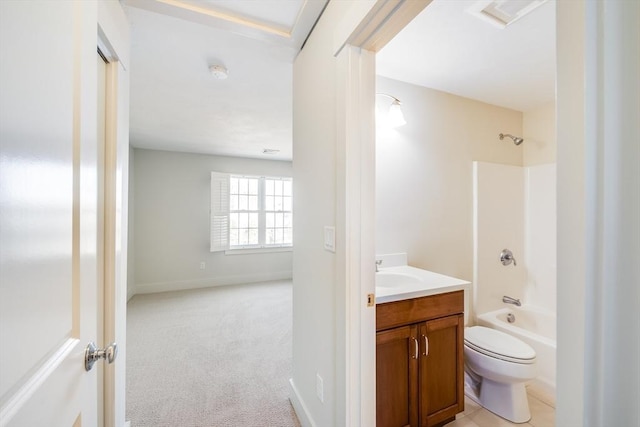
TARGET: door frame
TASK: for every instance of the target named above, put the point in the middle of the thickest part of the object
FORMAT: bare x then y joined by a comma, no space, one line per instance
113,42
379,23
583,58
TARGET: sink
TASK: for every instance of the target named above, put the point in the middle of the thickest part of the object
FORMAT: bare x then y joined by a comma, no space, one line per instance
402,282
391,280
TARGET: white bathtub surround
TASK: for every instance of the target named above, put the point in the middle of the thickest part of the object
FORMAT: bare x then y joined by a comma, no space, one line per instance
540,236
498,224
537,328
515,208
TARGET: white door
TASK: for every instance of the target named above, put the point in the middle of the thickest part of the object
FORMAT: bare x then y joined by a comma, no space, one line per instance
48,206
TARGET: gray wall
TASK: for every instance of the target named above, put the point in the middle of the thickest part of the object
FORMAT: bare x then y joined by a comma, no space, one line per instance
170,201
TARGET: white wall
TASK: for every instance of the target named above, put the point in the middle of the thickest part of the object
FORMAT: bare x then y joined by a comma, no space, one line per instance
424,174
539,132
314,125
321,304
572,235
314,269
131,266
171,225
598,210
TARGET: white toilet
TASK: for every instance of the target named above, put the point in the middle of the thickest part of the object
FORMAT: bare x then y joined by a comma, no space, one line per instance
497,365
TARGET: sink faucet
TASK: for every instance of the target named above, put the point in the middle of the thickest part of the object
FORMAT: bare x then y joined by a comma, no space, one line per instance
378,262
509,300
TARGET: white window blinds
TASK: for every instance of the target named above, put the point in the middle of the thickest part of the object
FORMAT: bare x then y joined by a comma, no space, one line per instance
249,212
219,211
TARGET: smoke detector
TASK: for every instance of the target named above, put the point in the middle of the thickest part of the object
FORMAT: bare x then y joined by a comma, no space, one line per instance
503,12
219,72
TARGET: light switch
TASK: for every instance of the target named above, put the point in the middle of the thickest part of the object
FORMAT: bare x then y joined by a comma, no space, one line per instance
330,238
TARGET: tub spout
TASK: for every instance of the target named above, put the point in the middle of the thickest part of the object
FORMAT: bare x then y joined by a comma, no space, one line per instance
509,300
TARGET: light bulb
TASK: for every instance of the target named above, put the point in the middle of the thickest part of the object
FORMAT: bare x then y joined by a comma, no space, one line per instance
395,117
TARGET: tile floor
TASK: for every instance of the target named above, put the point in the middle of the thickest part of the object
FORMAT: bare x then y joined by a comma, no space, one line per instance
474,415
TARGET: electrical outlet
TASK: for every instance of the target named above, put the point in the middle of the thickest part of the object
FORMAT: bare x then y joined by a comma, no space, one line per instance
319,388
203,265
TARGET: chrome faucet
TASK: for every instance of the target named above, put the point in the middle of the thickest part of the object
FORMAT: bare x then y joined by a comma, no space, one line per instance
378,262
509,300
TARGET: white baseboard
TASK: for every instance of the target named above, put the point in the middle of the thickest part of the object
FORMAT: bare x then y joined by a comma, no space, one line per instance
299,407
543,391
149,288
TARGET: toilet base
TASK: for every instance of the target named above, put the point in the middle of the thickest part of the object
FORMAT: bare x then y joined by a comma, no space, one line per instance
508,401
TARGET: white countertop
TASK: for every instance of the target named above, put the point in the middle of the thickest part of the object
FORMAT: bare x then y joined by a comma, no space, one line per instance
405,282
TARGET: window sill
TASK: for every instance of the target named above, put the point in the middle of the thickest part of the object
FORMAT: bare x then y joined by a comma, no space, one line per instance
248,251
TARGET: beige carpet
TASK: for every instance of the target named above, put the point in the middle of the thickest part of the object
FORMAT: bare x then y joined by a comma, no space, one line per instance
217,357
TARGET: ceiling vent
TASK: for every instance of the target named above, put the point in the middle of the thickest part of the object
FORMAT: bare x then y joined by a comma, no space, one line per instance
503,12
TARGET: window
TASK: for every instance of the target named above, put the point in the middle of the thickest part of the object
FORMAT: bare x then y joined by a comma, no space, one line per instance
244,212
250,212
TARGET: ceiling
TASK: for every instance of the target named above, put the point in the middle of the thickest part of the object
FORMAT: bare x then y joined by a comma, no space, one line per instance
451,50
178,105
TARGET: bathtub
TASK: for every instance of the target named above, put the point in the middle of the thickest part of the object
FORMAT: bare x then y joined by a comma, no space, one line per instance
538,329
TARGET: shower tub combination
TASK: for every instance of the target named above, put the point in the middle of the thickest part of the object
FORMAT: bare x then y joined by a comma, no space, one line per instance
536,328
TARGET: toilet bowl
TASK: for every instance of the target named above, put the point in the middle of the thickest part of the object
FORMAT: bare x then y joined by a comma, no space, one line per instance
497,365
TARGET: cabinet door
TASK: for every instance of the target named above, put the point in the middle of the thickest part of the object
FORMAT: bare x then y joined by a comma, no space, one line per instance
397,353
441,369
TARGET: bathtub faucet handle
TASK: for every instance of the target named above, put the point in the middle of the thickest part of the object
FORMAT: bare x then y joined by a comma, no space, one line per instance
506,257
378,262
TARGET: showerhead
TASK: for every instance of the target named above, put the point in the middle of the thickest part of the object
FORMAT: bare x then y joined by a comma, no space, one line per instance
515,139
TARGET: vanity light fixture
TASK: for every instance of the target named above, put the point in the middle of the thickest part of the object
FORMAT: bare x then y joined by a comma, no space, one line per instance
394,117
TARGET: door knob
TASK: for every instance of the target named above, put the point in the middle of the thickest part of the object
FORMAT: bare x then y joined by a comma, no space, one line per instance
92,354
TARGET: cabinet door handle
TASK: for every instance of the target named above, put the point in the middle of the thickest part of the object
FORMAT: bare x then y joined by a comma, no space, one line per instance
426,345
416,353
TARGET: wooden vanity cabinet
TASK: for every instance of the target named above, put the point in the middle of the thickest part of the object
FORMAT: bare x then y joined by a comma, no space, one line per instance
419,361
397,377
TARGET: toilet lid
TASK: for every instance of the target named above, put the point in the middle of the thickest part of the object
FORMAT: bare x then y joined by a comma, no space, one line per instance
498,344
